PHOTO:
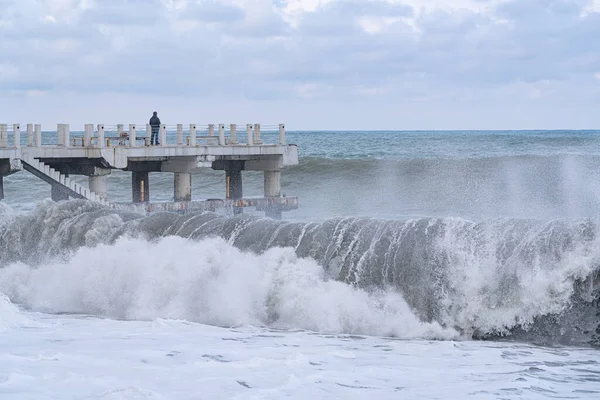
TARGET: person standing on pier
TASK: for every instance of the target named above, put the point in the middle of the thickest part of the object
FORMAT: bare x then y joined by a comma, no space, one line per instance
155,124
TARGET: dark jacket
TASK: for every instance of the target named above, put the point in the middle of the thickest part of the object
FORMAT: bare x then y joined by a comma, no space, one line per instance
155,123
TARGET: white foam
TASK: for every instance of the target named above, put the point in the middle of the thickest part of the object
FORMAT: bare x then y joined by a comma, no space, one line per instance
493,296
10,316
209,282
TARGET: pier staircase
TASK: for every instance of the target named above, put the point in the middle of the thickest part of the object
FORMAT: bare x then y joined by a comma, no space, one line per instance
55,178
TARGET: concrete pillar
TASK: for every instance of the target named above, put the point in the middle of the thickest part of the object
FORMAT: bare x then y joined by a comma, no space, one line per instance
38,135
30,137
88,132
233,187
98,185
3,135
60,136
162,135
192,135
211,133
101,143
221,134
273,189
249,134
281,134
57,193
1,187
257,134
140,187
132,136
233,134
179,137
64,136
16,135
148,134
183,186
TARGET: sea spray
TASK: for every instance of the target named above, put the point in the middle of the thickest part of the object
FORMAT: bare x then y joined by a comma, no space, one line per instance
213,283
495,277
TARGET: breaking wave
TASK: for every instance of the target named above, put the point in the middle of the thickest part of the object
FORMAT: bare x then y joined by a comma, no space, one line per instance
530,280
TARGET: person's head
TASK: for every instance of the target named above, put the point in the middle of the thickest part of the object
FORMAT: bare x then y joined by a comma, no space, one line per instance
154,114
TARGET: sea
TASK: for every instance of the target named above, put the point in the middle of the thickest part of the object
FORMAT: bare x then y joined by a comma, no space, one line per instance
419,265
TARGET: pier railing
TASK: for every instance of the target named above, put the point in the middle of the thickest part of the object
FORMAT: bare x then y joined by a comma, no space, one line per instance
140,135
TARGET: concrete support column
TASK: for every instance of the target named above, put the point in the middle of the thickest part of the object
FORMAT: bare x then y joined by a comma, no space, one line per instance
57,193
273,189
233,187
1,187
140,187
183,186
272,183
98,185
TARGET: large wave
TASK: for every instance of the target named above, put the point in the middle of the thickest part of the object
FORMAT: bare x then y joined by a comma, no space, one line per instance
533,280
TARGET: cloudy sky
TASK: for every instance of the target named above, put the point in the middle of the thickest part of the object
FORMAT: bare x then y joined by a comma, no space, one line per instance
313,64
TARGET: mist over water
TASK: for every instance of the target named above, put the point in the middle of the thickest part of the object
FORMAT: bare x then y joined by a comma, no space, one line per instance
435,235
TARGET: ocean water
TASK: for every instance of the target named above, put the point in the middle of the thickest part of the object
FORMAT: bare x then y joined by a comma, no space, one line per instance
439,265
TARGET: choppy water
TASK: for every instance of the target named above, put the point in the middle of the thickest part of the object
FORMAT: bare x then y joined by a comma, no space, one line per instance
417,236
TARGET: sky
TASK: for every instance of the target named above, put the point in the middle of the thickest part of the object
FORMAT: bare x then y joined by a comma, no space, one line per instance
311,64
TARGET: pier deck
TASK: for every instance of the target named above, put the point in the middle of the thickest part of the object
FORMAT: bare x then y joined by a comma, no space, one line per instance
98,149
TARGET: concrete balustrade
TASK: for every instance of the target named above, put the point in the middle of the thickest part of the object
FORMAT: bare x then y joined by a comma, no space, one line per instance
162,135
148,134
221,134
249,135
16,135
132,136
192,141
3,135
30,137
281,133
98,139
233,134
257,134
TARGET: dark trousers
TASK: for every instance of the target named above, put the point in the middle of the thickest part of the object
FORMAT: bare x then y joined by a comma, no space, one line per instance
154,137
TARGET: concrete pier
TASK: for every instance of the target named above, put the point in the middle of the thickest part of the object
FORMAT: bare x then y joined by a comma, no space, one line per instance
97,149
183,186
140,187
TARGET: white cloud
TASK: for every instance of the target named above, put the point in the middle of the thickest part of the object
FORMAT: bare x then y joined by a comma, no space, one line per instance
429,56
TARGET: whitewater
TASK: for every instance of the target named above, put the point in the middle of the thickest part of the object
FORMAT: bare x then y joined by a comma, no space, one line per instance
420,264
